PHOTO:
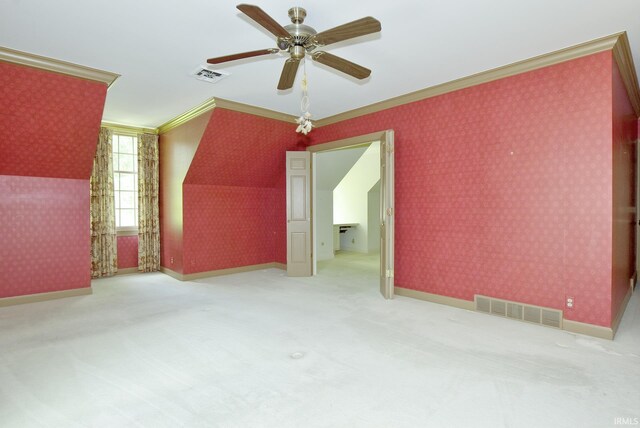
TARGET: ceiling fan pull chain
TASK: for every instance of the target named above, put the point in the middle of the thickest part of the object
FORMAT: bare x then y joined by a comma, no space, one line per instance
305,102
304,76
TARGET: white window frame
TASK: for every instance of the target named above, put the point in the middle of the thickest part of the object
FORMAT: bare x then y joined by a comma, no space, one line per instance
125,230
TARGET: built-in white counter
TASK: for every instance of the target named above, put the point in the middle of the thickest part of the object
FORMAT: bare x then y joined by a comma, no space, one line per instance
337,230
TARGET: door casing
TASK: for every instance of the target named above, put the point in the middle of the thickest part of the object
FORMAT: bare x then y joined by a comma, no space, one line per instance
637,215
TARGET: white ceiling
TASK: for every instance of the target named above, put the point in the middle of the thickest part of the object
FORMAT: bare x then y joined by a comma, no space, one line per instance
155,45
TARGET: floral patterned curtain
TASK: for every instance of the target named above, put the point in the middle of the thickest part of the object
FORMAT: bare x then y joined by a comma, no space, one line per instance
104,261
148,211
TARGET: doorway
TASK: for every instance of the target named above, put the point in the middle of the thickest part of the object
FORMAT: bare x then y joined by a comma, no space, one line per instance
385,226
346,218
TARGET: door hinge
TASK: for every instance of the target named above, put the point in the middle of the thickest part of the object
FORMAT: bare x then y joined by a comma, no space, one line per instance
390,211
389,273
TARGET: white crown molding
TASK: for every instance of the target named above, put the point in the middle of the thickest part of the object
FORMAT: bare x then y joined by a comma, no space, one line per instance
622,56
187,116
128,129
62,67
618,42
212,103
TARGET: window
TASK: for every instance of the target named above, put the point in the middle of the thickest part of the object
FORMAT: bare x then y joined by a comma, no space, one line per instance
125,181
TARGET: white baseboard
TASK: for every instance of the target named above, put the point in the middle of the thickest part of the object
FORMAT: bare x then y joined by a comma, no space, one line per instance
42,297
127,271
219,272
568,325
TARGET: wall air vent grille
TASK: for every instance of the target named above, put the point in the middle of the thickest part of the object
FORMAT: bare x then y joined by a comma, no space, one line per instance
519,311
211,76
483,304
551,318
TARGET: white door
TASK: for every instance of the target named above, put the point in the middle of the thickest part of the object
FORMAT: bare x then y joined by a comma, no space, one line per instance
386,215
298,214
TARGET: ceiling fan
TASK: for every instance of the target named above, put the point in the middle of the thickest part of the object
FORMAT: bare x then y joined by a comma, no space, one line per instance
298,39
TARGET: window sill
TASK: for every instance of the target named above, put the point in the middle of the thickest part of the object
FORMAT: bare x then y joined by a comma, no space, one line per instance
127,232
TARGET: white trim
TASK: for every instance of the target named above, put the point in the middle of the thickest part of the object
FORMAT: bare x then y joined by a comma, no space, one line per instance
123,129
127,271
127,231
220,272
468,305
62,67
41,297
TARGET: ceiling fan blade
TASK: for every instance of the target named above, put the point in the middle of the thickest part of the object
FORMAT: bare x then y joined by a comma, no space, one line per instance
288,74
234,57
261,17
341,64
347,31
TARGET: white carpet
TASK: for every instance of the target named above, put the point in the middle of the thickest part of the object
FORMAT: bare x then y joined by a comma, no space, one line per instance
260,349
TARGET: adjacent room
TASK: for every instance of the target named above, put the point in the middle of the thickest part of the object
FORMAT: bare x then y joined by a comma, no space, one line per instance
379,214
347,210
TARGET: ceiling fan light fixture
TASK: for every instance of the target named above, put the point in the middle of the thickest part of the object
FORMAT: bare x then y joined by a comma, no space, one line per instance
297,52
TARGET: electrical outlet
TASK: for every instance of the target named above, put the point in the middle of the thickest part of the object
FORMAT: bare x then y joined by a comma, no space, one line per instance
171,260
571,302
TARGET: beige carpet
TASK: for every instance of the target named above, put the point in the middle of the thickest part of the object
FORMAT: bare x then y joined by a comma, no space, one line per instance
260,349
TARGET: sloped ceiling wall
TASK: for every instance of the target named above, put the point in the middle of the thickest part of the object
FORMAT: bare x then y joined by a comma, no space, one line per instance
233,194
48,123
239,149
49,126
331,167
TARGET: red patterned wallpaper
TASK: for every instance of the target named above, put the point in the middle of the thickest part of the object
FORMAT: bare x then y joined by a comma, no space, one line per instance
238,149
625,132
230,226
279,214
45,235
234,201
127,252
505,189
48,123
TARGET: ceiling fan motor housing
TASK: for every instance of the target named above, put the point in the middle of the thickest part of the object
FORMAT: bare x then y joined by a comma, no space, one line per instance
301,34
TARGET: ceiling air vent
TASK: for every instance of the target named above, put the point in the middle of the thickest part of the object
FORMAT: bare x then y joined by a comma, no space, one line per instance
519,311
211,76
